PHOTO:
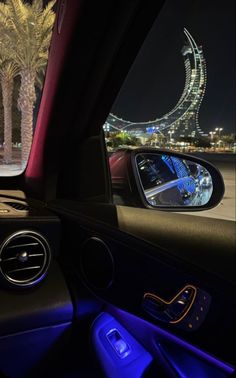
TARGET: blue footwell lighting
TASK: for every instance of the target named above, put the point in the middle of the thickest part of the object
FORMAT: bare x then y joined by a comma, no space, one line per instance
189,361
120,355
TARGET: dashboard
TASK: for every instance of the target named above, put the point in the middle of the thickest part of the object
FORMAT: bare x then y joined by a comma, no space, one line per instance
36,306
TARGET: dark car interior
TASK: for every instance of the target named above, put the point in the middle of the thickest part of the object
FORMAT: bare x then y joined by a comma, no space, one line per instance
89,288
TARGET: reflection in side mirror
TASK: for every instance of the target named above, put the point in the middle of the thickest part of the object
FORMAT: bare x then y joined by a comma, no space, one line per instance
172,181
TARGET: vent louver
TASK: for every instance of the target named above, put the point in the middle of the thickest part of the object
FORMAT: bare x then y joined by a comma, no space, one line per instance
24,258
18,206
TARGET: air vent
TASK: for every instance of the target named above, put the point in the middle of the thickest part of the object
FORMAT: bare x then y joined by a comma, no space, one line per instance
24,258
18,206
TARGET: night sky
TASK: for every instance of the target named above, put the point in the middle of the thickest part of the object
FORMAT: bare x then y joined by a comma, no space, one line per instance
156,80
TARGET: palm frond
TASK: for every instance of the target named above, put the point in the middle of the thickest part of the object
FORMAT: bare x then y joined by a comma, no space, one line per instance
48,13
37,6
25,32
8,69
18,13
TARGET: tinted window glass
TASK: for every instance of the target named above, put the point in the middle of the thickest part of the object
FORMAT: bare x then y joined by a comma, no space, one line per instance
180,92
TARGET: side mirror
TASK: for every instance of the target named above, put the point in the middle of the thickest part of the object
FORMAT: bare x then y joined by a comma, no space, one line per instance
165,180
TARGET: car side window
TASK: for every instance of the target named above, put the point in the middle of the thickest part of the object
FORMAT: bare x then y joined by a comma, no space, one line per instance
174,96
25,35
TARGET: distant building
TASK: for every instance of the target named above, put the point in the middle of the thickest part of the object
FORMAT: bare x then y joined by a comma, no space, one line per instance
183,119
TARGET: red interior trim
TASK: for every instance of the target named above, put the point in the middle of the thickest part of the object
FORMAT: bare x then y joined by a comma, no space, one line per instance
57,54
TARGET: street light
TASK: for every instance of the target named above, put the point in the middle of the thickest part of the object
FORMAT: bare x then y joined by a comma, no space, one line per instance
219,129
212,133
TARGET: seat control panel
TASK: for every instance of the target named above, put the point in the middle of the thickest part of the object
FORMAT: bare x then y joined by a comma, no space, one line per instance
186,309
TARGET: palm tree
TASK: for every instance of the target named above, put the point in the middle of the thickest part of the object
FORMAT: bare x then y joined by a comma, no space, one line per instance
26,36
228,140
8,70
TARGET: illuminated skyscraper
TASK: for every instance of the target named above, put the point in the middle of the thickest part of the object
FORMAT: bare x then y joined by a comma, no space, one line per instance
183,119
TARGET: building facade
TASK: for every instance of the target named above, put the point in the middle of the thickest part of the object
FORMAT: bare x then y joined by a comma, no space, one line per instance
183,119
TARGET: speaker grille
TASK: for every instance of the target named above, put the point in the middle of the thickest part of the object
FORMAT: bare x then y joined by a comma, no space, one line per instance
97,263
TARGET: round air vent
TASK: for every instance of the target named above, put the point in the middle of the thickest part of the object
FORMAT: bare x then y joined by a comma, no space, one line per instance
24,258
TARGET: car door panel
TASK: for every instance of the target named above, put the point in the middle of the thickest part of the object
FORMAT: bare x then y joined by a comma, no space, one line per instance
174,354
165,230
141,267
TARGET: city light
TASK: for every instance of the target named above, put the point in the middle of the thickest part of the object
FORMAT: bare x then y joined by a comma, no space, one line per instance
171,132
212,133
219,129
184,116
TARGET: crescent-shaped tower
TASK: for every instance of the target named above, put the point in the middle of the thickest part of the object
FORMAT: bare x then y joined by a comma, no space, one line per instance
183,119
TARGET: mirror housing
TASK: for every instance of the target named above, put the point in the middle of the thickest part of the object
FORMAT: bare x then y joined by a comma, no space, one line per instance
165,180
